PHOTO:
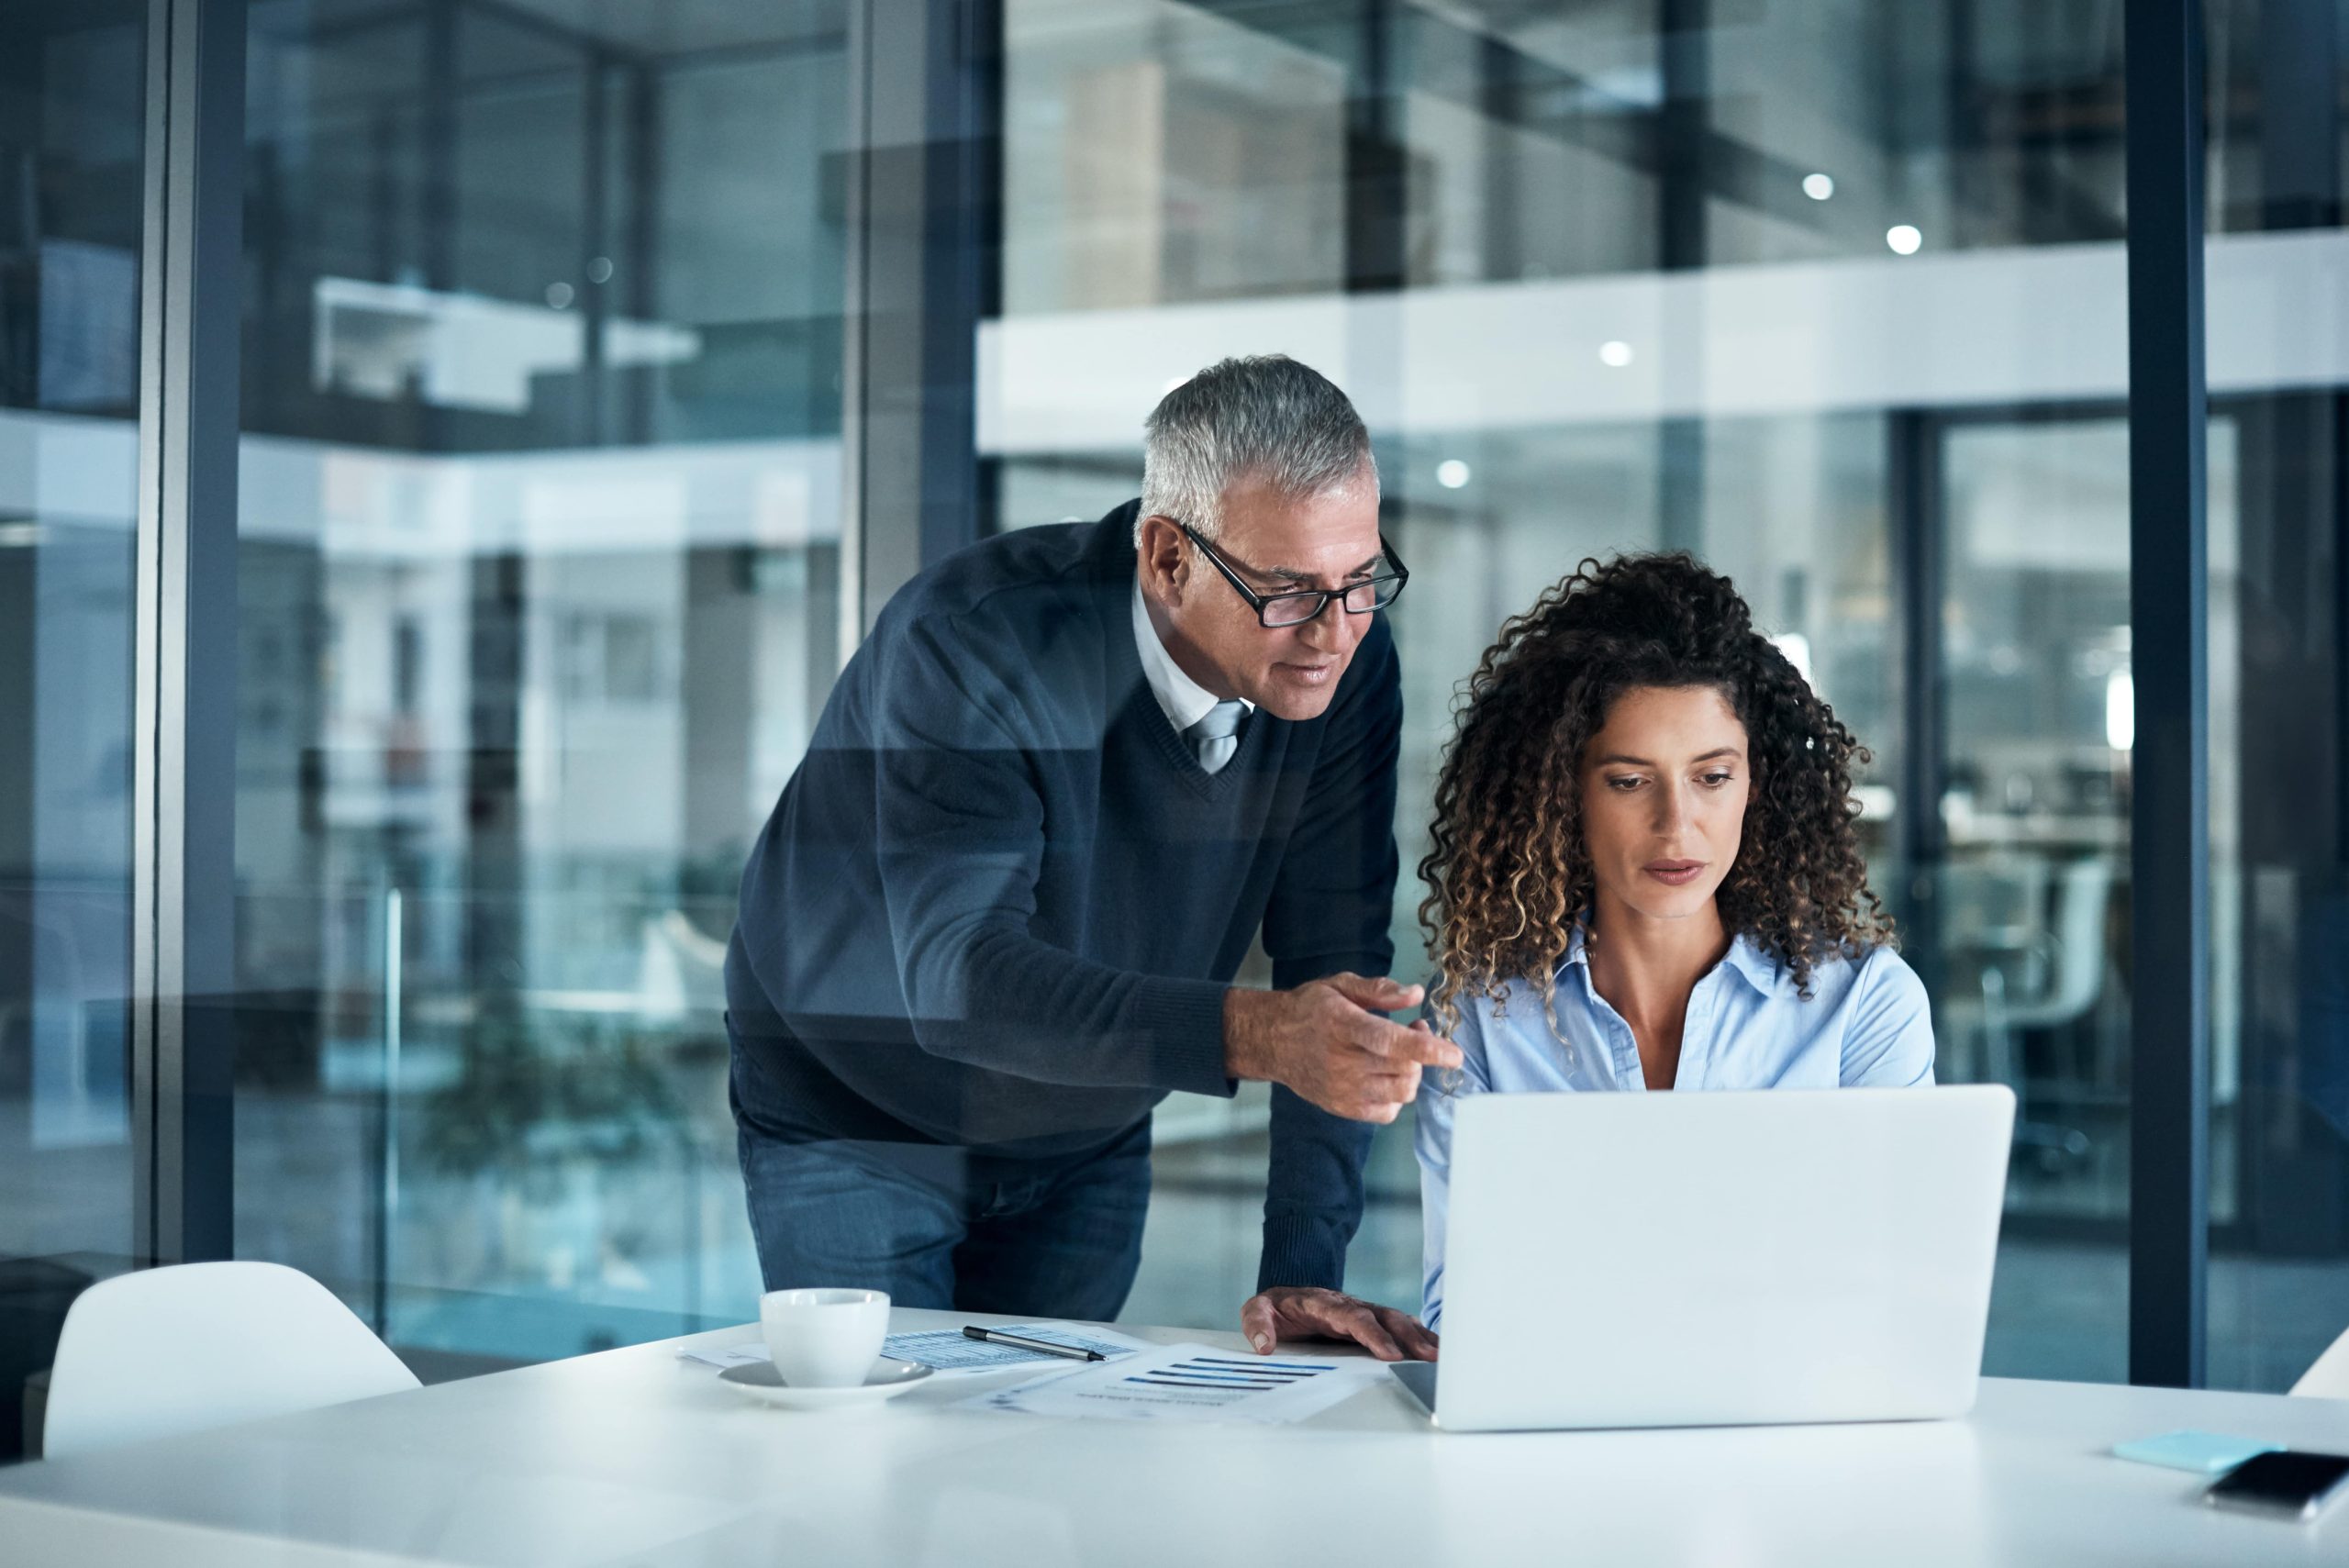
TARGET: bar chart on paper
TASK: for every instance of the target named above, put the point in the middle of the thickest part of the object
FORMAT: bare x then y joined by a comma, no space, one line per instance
1191,1382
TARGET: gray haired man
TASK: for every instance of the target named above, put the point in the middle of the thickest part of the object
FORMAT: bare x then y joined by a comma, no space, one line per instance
1072,774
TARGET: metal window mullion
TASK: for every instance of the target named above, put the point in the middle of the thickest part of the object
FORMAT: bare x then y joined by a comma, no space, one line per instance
2168,605
184,775
146,639
1918,554
924,85
856,294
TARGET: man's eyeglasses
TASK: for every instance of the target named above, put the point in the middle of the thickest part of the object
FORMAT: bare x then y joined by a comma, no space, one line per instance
1295,607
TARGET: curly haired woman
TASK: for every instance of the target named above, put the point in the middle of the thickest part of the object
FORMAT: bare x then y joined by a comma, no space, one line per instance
1645,875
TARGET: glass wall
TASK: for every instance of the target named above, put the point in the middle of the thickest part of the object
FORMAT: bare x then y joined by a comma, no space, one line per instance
2278,268
1832,295
540,557
72,142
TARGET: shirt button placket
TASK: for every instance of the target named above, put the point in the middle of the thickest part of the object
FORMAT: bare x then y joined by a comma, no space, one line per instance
1696,1037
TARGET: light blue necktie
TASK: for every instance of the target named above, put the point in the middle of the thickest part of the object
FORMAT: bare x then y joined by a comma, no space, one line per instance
1214,739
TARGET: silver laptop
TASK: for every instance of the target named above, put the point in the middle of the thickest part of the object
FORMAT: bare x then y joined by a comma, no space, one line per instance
1716,1258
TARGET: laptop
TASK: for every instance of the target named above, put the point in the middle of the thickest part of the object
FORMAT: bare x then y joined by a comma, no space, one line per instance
1717,1258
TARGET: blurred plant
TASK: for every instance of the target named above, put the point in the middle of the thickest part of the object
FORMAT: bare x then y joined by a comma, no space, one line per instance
518,1107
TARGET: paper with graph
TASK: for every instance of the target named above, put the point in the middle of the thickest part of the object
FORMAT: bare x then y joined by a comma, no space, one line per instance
1192,1383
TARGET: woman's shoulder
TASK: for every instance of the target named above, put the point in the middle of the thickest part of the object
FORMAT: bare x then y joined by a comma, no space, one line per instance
1877,963
1888,1027
1880,971
1505,1003
1494,1021
1842,976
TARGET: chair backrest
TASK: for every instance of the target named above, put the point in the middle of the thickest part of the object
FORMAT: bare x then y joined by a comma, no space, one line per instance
2076,932
177,1349
2327,1376
2083,897
681,970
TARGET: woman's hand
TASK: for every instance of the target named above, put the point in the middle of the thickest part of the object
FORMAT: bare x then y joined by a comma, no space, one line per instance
1291,1312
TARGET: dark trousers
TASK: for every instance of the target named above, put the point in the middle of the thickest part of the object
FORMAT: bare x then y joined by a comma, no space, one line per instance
943,1227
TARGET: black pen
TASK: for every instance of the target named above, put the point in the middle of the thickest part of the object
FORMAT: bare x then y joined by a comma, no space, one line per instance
993,1337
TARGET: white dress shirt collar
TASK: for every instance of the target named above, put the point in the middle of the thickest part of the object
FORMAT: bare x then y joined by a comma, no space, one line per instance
1182,699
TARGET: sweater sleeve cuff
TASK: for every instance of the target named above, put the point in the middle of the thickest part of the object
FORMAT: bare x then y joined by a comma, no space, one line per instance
1302,1249
1184,1018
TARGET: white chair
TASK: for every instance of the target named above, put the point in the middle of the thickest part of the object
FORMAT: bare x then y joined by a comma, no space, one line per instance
682,973
2327,1376
181,1349
2041,962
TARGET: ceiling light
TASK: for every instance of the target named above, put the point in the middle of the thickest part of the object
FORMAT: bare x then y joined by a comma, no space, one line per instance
1819,187
2119,711
1904,238
1451,473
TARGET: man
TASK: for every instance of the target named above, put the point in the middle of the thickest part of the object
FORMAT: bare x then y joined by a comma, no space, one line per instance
994,917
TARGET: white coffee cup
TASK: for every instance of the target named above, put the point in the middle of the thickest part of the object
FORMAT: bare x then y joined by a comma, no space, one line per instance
824,1338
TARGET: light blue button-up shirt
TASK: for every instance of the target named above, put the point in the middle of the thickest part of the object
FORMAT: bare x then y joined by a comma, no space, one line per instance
1867,1022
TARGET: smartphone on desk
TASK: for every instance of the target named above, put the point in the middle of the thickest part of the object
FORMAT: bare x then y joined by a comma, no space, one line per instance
2282,1484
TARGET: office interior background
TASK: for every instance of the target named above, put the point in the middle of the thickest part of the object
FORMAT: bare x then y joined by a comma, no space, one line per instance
593,370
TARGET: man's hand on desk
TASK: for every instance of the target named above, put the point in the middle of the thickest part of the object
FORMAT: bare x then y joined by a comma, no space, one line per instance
1297,1312
1326,1040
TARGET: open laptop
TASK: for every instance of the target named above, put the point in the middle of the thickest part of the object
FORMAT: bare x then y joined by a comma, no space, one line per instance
1716,1258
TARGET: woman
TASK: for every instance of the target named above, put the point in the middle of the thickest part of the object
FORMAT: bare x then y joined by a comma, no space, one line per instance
1645,875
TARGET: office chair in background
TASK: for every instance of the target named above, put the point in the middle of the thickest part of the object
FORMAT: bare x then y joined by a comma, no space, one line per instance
180,1349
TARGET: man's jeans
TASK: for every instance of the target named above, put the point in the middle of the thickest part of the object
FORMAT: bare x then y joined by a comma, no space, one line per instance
943,1227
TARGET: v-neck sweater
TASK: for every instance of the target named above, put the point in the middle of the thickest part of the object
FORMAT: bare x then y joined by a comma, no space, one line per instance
999,902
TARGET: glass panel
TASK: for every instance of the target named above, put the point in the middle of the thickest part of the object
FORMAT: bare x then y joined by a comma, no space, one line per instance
540,566
2279,830
1600,280
71,144
2029,963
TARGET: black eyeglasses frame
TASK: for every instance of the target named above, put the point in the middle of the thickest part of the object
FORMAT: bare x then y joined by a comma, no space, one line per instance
1260,603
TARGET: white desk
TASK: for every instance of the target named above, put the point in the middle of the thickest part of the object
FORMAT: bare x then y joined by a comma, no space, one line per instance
634,1456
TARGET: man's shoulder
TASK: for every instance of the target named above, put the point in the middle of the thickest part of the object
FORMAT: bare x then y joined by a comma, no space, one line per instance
1017,577
1016,625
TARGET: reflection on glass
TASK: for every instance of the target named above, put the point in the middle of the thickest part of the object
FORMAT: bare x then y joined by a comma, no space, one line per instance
540,575
1596,289
71,156
2279,829
2029,900
540,543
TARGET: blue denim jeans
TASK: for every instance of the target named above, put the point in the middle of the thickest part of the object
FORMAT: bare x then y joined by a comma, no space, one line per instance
944,1227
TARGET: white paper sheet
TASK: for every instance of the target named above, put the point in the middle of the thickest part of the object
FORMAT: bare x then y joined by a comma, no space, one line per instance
946,1350
1192,1383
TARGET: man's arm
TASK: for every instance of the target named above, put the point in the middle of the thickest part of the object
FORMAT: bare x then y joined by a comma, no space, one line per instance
960,824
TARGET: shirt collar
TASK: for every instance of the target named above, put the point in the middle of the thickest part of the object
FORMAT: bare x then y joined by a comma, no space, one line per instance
1757,967
1182,699
1761,970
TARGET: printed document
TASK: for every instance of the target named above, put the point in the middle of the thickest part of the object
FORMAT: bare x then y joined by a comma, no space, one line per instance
945,1350
1192,1383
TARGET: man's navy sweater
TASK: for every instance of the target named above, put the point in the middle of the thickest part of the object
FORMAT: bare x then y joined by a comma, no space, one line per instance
999,903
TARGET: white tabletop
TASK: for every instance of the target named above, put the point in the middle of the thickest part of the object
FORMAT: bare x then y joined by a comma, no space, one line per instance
635,1456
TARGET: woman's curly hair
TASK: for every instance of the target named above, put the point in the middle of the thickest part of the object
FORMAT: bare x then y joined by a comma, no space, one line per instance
1510,877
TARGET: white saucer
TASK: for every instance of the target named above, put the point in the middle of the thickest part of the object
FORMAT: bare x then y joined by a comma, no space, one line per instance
886,1380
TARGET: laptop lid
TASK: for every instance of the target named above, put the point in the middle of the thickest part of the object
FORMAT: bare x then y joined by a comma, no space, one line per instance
1627,1260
